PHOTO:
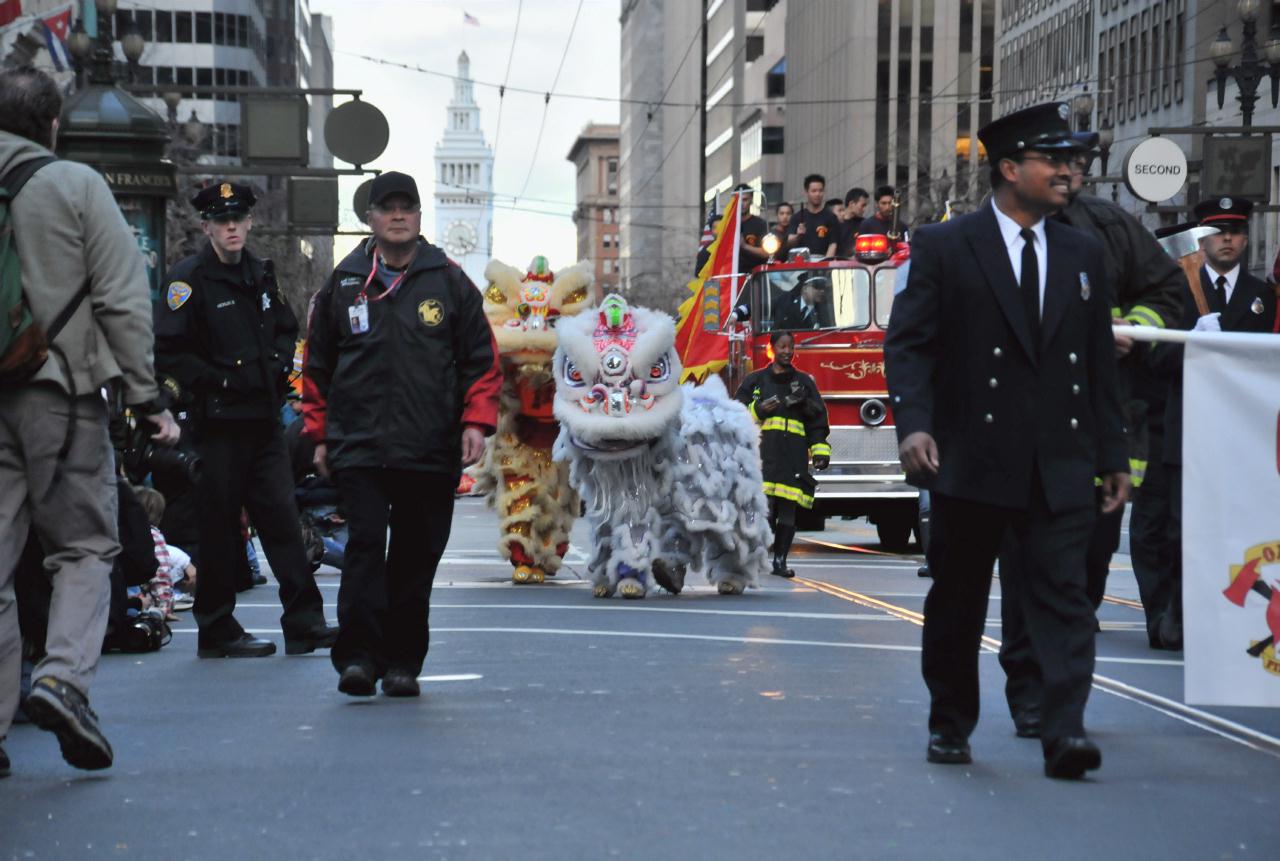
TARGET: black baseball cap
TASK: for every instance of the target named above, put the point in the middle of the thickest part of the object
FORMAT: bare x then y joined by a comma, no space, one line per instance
393,182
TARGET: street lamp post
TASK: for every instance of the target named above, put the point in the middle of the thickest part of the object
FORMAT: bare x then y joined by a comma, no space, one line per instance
1250,71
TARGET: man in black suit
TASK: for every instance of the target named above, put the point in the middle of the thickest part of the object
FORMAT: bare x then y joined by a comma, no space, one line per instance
1007,412
1238,302
805,307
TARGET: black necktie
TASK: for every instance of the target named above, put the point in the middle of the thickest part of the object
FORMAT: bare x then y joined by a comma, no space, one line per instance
1030,284
1220,295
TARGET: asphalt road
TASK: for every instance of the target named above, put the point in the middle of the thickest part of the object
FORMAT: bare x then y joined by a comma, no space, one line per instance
789,722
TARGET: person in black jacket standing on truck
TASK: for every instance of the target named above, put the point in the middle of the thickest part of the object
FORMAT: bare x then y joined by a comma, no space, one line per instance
226,337
400,388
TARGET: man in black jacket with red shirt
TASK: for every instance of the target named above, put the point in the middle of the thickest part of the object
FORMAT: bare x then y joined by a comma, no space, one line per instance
401,383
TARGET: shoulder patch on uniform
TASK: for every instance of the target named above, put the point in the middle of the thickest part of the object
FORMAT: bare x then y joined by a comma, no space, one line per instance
179,292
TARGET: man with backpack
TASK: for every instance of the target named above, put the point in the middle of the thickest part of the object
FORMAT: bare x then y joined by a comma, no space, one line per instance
76,316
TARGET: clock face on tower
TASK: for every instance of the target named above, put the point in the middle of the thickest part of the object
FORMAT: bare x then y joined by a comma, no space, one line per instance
460,238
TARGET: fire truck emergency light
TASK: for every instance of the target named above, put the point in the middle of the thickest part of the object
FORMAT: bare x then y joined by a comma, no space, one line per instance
770,244
871,246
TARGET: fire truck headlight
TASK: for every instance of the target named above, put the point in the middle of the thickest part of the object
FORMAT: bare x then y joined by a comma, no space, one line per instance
771,244
873,412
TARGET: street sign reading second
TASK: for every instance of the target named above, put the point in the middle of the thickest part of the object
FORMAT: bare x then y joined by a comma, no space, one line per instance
1155,169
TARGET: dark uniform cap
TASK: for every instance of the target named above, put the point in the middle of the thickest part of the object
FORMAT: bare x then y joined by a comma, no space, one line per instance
1037,127
223,198
1219,209
1086,140
393,182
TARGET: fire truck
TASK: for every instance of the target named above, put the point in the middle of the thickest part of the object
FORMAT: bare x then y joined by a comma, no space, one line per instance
845,356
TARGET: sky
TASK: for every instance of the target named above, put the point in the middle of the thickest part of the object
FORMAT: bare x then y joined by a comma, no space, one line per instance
431,34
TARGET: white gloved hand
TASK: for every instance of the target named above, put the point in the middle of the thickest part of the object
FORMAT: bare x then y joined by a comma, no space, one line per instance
1209,323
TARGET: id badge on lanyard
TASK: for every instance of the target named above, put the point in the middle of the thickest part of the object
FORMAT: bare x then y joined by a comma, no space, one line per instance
359,316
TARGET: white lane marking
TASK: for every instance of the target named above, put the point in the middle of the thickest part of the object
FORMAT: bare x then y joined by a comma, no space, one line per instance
569,584
457,677
570,632
634,608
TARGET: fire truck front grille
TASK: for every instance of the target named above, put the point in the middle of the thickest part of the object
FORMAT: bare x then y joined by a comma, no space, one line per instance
864,445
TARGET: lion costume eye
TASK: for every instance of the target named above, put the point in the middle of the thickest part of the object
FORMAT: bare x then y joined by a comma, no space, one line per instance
658,371
572,375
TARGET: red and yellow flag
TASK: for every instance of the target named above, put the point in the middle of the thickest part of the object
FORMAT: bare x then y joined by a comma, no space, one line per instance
702,346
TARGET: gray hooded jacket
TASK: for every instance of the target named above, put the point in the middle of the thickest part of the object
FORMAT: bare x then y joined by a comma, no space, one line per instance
69,229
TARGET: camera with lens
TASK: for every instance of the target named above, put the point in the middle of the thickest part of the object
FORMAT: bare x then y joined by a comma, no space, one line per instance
142,456
146,632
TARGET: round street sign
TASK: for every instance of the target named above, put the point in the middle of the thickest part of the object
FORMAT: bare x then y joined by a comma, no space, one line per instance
361,200
356,132
1155,169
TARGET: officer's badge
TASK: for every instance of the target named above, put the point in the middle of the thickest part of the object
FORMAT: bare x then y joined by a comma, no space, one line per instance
1225,203
224,191
1064,112
1085,290
179,292
430,312
1256,307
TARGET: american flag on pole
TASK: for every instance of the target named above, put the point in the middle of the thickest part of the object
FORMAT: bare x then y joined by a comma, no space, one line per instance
468,18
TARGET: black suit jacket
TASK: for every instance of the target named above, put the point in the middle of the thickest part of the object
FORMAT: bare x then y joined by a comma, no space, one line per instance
1252,308
961,366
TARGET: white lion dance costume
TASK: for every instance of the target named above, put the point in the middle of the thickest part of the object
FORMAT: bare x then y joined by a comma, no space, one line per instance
670,474
535,504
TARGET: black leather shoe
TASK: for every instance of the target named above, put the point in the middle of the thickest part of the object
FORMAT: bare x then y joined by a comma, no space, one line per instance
923,571
244,646
1026,723
948,749
259,579
4,763
399,683
318,638
357,681
1070,757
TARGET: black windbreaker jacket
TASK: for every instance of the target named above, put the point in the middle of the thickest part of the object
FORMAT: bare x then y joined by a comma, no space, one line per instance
399,394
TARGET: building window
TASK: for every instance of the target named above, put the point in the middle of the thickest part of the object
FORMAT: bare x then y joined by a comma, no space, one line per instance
606,266
164,27
204,28
182,29
606,240
608,216
771,140
775,80
755,48
750,147
611,176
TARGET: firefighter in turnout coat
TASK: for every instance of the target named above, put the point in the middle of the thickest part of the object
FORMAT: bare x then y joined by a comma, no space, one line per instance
793,428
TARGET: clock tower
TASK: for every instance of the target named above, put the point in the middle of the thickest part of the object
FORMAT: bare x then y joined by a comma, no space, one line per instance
464,182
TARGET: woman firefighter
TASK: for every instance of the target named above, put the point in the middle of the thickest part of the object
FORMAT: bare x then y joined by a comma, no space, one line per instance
793,428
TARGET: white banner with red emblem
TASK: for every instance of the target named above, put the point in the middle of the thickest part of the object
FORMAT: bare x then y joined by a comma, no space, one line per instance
1231,519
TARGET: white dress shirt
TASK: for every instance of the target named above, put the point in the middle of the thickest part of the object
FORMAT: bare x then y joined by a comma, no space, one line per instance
1011,232
1231,277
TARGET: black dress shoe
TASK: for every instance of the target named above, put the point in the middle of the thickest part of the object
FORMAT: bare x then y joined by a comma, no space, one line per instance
357,680
949,749
259,579
923,571
318,638
244,646
1026,723
1070,757
399,683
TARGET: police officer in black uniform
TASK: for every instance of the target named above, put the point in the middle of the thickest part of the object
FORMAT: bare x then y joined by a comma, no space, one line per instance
226,337
1001,364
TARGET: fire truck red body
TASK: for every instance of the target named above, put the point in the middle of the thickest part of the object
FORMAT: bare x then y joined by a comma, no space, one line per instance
845,356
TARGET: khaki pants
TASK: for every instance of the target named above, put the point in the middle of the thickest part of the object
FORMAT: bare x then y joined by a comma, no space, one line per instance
75,520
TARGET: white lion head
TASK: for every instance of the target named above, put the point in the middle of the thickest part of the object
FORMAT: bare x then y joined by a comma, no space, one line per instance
616,376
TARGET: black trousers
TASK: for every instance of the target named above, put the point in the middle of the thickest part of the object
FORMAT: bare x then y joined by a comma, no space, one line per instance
246,466
1017,655
385,597
1155,555
1048,584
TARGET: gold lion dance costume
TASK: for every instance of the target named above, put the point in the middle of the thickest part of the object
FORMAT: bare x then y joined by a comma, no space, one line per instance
535,503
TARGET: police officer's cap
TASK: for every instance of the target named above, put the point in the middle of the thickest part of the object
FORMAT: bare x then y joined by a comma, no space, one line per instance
221,198
1037,127
1220,210
393,182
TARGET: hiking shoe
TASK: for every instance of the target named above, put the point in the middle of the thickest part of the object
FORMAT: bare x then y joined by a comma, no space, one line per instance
399,683
55,706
